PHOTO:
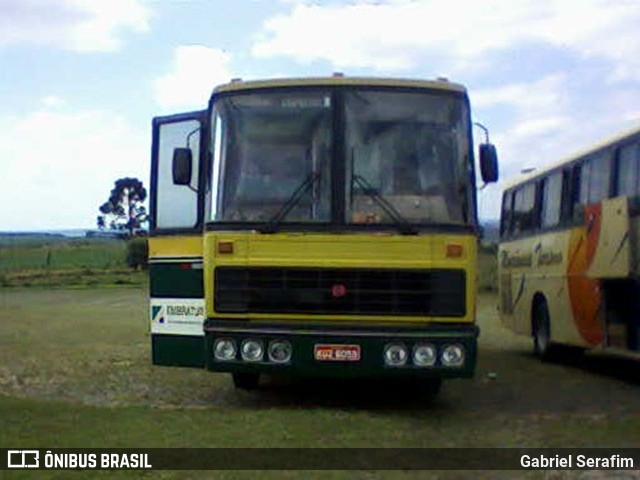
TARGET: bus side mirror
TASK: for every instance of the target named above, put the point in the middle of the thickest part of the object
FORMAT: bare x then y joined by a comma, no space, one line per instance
488,162
182,166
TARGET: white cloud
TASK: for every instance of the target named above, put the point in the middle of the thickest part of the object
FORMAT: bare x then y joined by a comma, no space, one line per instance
395,35
538,116
534,109
539,126
53,101
541,94
77,25
61,166
544,121
196,70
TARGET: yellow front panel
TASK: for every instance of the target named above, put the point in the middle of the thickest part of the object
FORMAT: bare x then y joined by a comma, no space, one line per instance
175,246
342,250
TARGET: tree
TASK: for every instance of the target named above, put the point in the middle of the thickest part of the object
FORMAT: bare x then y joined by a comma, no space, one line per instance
124,209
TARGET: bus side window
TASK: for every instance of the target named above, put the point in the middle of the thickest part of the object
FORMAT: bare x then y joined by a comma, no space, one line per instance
515,223
537,211
595,178
566,208
585,174
574,194
551,200
177,206
600,179
627,175
507,210
523,208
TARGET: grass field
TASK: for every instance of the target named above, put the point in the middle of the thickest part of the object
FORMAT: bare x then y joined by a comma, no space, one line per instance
31,253
42,261
75,372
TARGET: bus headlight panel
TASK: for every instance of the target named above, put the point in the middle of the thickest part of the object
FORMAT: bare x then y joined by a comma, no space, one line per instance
252,350
395,355
424,355
224,349
452,355
280,351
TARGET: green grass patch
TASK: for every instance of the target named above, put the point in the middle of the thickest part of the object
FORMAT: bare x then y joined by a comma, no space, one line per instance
79,278
69,255
51,261
75,371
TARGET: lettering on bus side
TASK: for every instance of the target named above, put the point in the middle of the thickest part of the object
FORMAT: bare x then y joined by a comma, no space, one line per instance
523,260
550,258
185,310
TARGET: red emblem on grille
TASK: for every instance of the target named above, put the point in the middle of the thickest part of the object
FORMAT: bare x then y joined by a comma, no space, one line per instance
338,291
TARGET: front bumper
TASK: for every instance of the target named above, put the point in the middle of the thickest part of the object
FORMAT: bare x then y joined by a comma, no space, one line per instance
304,337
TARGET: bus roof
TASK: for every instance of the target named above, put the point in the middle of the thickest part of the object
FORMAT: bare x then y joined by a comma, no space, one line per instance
239,85
575,156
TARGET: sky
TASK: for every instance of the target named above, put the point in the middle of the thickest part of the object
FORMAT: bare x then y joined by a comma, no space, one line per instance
80,80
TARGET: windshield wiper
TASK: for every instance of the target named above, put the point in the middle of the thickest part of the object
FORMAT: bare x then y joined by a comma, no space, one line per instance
274,222
401,223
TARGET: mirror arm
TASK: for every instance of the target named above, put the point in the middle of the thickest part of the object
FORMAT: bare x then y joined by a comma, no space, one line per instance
189,135
193,132
484,129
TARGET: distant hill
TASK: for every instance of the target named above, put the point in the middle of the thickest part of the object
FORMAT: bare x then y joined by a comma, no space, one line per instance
30,234
68,232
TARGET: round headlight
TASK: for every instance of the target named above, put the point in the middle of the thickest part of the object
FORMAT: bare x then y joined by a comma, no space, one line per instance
224,349
395,355
280,351
424,355
452,355
252,350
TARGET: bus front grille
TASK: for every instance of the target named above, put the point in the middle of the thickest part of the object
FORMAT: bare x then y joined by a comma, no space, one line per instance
433,292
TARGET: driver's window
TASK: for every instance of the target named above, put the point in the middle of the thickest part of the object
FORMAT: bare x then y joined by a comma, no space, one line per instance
177,205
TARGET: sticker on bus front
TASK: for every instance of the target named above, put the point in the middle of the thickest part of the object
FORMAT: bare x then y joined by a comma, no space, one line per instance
337,353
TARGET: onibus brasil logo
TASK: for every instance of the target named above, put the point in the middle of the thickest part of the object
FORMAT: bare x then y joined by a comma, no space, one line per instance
23,459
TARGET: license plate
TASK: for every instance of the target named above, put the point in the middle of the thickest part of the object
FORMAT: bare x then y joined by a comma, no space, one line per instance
337,353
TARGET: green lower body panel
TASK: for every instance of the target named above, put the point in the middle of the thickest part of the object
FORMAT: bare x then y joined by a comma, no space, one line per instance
173,281
369,343
178,350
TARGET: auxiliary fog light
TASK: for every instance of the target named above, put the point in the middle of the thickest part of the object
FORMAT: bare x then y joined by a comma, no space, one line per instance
395,355
452,355
224,349
424,355
252,350
280,351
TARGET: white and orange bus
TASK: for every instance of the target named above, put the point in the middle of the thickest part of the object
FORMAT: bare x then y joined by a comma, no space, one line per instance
569,259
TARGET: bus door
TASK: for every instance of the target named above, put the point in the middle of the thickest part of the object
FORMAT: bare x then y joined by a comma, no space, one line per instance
175,244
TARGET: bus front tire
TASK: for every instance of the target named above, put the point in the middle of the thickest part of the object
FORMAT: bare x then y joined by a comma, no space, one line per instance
542,346
246,381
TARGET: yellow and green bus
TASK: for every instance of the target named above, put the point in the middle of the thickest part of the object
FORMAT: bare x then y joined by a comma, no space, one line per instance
569,258
318,226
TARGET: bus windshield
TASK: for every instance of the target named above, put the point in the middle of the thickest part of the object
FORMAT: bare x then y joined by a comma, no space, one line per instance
412,150
273,157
